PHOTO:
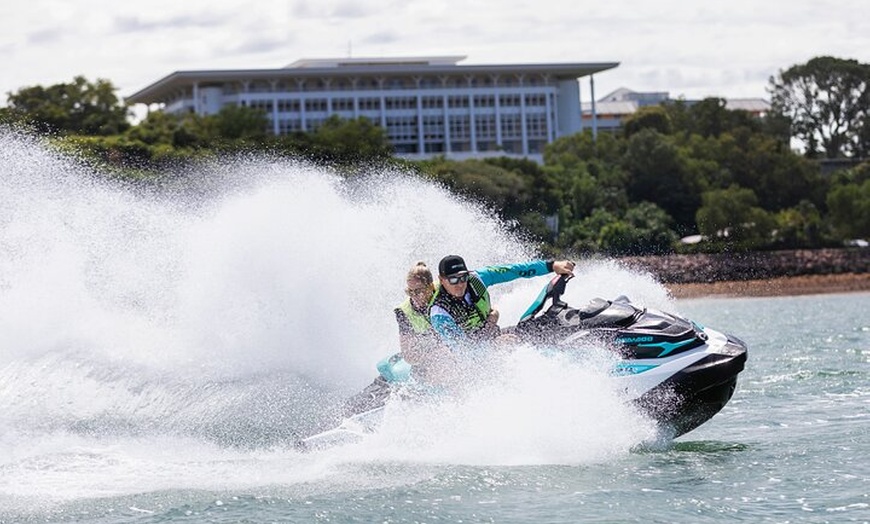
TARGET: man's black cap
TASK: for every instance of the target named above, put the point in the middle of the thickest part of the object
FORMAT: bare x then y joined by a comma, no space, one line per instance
451,265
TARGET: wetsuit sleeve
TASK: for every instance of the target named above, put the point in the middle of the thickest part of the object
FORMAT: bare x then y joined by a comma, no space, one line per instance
404,324
505,273
446,327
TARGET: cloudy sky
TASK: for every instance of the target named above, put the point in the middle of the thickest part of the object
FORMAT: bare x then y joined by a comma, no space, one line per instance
693,49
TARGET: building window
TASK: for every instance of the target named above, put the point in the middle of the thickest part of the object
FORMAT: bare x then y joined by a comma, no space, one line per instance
370,104
459,127
536,147
537,100
404,102
511,126
433,128
457,101
509,100
288,106
315,105
537,125
402,129
484,126
484,101
263,105
432,102
342,104
512,146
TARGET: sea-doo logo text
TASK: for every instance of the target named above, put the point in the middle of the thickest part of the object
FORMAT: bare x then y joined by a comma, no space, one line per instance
634,340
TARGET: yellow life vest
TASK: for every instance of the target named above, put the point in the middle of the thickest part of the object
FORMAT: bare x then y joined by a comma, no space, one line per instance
419,321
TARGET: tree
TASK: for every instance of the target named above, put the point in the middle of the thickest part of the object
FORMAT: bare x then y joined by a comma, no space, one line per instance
799,226
658,173
827,101
849,206
650,117
80,107
645,229
581,147
241,123
500,189
732,215
343,141
543,195
709,118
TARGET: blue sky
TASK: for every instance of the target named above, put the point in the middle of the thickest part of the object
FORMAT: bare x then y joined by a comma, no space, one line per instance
693,49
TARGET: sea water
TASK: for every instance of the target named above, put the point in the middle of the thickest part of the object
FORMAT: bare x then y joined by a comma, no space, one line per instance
163,346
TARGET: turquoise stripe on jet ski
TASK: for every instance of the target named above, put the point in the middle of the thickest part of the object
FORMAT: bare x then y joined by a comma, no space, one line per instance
668,347
535,304
632,369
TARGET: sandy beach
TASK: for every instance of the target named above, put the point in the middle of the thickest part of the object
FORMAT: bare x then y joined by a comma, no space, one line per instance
780,286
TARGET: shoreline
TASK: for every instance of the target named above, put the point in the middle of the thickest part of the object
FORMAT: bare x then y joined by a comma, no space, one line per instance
773,287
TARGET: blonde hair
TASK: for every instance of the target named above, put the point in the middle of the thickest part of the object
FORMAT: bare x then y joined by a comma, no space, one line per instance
421,273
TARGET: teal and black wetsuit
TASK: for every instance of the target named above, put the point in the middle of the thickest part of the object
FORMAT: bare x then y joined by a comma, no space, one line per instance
460,319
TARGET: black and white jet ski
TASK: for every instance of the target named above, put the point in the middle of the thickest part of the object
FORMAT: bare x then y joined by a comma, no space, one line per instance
676,371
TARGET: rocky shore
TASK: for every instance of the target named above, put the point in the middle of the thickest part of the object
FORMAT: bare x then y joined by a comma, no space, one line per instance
795,272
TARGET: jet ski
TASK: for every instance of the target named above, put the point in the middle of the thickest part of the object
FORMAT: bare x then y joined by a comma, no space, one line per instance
676,371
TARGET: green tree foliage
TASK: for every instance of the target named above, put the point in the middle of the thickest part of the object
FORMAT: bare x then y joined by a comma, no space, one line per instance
579,148
732,216
501,189
779,178
342,141
587,176
827,102
185,133
80,107
849,206
583,236
650,117
234,123
642,229
645,229
799,227
658,173
709,118
543,192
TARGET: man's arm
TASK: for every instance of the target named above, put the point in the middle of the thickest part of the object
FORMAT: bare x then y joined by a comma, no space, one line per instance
506,272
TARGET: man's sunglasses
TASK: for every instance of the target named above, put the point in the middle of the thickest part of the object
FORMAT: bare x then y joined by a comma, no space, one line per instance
458,278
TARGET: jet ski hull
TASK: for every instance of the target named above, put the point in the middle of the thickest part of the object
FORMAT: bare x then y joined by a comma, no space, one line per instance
695,393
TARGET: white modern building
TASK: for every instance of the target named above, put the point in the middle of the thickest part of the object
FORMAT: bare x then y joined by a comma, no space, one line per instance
427,105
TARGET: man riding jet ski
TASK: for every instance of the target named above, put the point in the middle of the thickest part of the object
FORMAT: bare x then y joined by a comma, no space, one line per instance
677,372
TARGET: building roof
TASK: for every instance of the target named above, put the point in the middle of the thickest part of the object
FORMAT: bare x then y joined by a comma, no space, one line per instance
753,105
325,68
617,95
626,107
376,61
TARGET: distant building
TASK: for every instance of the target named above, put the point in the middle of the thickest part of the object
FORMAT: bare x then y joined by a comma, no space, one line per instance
427,105
612,109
